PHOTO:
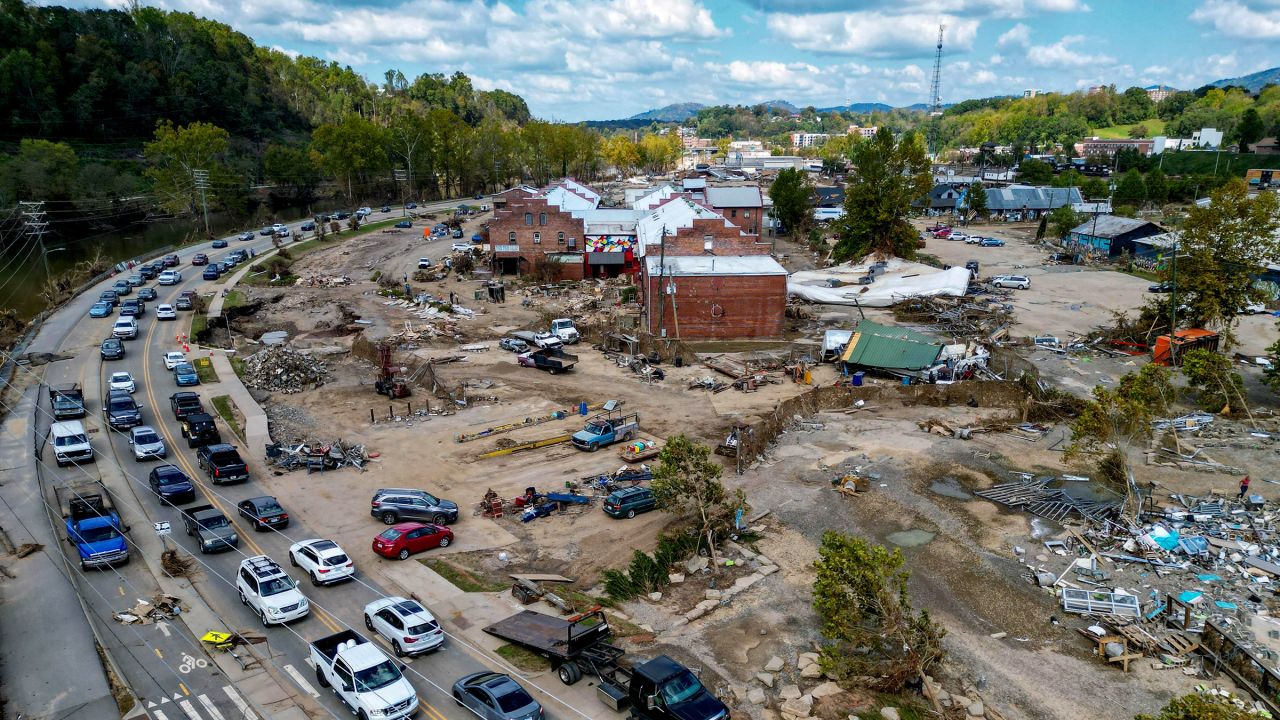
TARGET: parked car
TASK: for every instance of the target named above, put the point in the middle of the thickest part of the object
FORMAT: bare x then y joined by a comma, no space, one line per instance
410,628
147,294
424,263
171,260
122,381
494,696
199,259
268,230
364,212
100,310
457,233
957,235
122,288
173,359
342,215
412,206
211,272
322,560
70,443
247,235
147,445
1020,282
513,345
944,232
460,247
405,224
171,485
628,502
112,349
263,512
184,302
125,328
169,277
991,242
184,374
392,505
1164,287
269,592
402,540
218,244
166,312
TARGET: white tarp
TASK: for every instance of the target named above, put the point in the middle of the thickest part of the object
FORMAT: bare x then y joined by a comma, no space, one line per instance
899,280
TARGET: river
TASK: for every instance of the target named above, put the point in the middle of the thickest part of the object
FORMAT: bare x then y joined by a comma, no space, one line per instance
22,278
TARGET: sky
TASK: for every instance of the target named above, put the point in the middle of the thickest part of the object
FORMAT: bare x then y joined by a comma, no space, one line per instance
602,59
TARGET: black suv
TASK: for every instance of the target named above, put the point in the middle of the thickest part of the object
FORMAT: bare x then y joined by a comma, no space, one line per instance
185,403
112,349
391,505
121,410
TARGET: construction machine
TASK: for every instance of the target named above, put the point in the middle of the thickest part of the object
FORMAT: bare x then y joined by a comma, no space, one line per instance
388,383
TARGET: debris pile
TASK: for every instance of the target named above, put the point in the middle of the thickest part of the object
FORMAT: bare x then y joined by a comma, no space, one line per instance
161,607
987,317
316,457
283,369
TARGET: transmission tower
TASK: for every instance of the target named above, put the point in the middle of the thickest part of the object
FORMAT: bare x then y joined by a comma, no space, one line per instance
34,225
935,92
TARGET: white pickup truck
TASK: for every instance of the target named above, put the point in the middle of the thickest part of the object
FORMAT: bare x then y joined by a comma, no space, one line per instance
363,677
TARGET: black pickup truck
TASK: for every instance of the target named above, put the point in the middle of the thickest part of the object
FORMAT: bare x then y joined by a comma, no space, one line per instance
208,525
185,403
199,430
222,464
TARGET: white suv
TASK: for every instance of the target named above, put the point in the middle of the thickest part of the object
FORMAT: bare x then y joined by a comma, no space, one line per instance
323,560
1011,281
126,328
411,628
272,594
169,277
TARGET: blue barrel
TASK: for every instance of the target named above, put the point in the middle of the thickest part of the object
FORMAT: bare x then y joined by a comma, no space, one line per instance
857,378
582,408
906,381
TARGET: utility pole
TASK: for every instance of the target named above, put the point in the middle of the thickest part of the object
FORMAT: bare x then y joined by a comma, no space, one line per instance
662,271
202,183
34,225
400,177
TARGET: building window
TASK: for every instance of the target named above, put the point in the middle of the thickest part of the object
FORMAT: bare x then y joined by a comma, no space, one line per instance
746,214
573,243
528,218
560,238
511,236
733,213
707,242
542,218
751,230
537,238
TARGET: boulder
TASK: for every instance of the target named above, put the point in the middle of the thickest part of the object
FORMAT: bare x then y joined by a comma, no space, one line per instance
976,709
888,713
708,605
789,692
806,659
655,596
826,689
755,696
765,678
774,665
811,671
696,564
675,578
799,707
768,569
694,614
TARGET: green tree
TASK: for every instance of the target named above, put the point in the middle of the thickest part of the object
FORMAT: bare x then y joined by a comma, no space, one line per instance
1157,187
1213,378
1201,707
1251,128
1043,228
178,151
977,200
686,483
1116,419
1068,178
888,176
290,167
1035,172
792,196
1138,131
1131,190
1063,220
860,595
351,150
1094,188
43,170
1224,245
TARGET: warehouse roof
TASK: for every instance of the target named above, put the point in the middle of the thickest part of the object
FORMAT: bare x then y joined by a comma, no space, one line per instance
1017,197
1110,226
735,197
892,348
690,265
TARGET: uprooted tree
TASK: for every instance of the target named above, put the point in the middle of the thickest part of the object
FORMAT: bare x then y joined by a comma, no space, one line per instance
687,484
1115,419
1201,707
860,595
1213,379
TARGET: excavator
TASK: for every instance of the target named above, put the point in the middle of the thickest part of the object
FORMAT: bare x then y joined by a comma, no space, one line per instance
388,383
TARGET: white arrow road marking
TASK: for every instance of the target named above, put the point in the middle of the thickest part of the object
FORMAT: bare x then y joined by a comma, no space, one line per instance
241,705
210,708
163,627
302,682
189,709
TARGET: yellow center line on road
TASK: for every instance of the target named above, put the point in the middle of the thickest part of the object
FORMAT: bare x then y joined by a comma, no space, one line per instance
158,654
184,689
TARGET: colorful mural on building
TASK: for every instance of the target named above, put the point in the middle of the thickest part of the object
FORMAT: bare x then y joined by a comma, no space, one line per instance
609,243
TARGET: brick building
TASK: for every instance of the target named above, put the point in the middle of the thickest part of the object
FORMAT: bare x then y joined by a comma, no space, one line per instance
529,229
713,297
686,227
742,205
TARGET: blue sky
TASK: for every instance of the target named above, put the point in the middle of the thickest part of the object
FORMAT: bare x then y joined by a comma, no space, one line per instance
601,59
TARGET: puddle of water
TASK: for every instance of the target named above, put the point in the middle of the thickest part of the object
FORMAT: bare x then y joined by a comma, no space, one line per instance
949,487
910,538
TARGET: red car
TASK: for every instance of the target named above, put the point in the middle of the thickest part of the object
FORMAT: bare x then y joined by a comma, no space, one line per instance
402,540
199,259
171,261
944,232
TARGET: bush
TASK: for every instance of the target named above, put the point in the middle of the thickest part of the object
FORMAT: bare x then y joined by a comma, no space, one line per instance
650,573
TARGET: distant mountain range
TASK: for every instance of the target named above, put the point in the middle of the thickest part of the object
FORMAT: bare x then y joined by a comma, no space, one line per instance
858,108
677,112
1252,82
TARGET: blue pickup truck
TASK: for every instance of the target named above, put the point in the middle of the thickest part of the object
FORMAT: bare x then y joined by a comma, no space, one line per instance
607,428
93,525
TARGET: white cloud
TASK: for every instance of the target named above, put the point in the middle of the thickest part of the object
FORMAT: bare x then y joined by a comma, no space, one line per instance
286,51
983,77
684,19
1060,54
1018,36
634,56
971,8
873,34
1241,19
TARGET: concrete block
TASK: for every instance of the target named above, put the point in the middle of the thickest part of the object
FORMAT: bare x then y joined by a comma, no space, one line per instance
811,671
826,689
755,696
655,596
800,707
774,665
713,594
976,708
694,614
675,578
765,678
789,692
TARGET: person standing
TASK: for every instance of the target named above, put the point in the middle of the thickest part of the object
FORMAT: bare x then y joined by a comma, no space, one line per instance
1244,486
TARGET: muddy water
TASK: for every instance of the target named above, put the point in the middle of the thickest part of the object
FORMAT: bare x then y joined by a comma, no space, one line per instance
910,538
949,487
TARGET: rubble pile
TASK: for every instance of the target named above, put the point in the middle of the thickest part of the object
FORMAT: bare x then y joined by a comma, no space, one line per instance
969,316
283,369
1181,442
317,456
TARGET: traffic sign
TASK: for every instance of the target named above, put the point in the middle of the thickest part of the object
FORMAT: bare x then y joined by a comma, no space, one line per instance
162,528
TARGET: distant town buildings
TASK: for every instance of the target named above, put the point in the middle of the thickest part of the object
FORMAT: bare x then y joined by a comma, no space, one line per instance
1031,93
1100,147
1202,139
805,140
863,132
1159,92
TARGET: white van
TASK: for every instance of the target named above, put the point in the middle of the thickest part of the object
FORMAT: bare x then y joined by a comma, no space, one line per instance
126,328
70,443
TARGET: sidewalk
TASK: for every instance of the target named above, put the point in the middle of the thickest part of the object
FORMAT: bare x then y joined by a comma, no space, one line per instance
38,595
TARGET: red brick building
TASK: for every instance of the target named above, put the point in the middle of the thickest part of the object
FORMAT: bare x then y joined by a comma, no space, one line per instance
530,228
742,205
715,297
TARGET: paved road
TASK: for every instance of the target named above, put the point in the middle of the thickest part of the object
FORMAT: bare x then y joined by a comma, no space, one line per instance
334,608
